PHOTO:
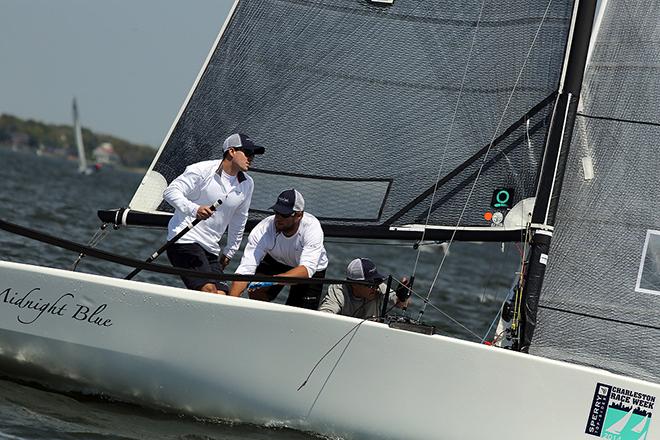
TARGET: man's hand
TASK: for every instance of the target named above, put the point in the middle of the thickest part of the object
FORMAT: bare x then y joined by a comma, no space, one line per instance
237,288
403,294
204,212
224,261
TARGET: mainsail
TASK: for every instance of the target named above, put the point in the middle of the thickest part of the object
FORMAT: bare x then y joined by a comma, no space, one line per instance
363,107
601,295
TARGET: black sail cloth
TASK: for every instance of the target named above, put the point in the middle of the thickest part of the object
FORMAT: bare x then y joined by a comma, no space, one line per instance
362,107
600,302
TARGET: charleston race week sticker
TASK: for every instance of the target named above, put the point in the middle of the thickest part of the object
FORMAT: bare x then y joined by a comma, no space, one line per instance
620,413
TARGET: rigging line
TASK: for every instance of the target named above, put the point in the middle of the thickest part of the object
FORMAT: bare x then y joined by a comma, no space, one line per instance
517,299
311,408
98,236
354,328
451,129
587,315
630,121
126,261
497,315
499,124
525,238
433,306
530,148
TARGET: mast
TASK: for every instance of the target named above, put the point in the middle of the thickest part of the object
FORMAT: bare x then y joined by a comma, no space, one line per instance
554,163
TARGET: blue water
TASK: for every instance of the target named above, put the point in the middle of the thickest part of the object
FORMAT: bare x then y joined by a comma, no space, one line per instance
47,194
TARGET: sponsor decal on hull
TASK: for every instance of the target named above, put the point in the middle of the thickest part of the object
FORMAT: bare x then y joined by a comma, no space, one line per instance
619,413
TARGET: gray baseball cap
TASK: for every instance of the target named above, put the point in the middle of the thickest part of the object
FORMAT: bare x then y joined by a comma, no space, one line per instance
239,140
363,269
288,202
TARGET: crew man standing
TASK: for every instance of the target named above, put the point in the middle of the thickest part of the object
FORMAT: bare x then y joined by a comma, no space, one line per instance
192,194
287,244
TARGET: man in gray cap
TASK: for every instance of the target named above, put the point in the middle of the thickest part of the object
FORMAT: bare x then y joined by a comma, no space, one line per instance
287,244
358,300
193,193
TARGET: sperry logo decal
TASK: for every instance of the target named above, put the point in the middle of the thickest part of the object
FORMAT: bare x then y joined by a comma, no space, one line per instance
283,199
620,413
31,306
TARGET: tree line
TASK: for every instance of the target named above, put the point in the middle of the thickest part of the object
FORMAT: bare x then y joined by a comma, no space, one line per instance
60,139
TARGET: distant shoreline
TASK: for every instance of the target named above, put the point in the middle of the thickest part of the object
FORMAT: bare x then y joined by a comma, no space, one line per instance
61,141
23,149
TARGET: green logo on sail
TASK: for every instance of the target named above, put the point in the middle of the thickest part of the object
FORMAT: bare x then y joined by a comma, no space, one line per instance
502,198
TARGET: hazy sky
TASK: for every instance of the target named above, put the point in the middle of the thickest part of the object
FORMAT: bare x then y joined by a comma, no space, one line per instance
130,63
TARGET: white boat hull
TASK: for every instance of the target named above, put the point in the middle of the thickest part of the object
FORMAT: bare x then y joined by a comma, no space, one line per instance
238,359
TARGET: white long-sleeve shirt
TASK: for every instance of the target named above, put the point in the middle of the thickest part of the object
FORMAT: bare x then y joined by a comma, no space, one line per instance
201,184
304,248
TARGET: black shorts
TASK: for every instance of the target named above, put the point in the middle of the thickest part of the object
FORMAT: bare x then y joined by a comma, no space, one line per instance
195,257
306,296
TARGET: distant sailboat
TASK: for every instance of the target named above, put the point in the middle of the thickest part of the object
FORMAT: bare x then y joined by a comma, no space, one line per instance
77,132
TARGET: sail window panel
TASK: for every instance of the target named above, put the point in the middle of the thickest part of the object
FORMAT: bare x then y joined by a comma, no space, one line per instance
325,198
648,280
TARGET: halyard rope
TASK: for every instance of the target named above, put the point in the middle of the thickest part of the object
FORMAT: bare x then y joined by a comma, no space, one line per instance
99,235
483,162
451,128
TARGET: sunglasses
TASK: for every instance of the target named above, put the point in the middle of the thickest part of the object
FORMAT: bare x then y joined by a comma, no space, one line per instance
277,214
248,153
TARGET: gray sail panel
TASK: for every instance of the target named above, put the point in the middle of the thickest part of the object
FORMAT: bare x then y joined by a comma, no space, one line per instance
600,299
346,88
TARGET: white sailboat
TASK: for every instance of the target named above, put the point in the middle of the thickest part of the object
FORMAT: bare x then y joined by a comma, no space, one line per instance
237,359
83,168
